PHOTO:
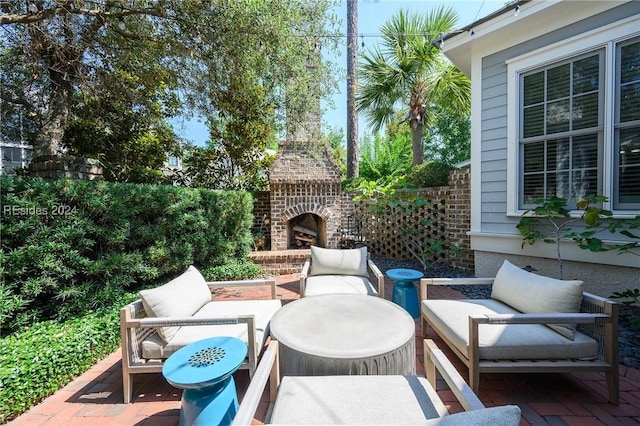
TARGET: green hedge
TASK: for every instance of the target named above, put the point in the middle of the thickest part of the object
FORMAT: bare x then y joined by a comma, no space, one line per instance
429,174
68,246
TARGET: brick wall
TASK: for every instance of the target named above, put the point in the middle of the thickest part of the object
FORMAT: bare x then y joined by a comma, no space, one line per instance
446,218
459,219
55,166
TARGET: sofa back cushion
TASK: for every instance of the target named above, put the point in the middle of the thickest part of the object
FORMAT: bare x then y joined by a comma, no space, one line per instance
338,262
181,297
531,294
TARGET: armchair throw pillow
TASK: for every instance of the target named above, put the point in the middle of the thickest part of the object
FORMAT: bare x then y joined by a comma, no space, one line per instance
338,262
181,297
533,294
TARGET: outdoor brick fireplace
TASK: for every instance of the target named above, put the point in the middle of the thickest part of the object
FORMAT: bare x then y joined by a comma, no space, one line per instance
305,196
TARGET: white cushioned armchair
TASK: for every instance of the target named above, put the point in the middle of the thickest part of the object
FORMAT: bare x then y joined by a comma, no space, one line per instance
367,399
531,323
182,311
330,271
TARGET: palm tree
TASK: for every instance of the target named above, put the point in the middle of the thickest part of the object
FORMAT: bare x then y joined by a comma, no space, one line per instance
408,72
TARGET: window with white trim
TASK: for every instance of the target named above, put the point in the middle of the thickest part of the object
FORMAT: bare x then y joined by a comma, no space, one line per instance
173,161
567,141
627,126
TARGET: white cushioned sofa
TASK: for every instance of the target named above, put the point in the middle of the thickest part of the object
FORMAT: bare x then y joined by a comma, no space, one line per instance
183,311
330,271
367,399
530,323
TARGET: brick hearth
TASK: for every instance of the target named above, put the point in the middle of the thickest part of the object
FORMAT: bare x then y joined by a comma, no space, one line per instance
280,262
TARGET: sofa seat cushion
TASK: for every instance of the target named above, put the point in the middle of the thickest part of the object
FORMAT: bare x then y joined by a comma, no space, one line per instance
155,348
363,400
332,284
181,297
503,341
338,262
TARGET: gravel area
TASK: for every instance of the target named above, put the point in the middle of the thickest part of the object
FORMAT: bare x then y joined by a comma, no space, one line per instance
629,340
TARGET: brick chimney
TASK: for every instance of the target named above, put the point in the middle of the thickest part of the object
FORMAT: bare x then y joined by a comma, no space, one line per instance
305,196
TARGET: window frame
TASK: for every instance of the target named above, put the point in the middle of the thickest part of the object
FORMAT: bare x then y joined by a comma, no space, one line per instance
617,124
607,38
570,135
173,161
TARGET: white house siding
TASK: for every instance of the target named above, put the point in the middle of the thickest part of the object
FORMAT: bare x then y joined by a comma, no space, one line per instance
497,237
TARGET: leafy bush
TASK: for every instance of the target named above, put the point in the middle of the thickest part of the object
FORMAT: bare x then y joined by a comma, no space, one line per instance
630,297
433,173
384,159
233,270
42,358
72,245
551,221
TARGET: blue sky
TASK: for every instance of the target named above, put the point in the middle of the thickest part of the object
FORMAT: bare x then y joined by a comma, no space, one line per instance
372,14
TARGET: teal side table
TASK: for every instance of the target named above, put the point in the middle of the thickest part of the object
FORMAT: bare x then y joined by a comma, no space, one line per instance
204,369
404,292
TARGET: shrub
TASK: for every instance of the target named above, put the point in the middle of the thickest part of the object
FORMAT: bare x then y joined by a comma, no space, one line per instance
382,159
72,245
433,173
551,221
234,270
42,358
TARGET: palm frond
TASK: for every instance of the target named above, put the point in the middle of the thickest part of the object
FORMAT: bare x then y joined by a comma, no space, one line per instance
407,71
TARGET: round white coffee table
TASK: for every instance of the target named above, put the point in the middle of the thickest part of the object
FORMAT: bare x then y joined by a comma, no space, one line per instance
344,334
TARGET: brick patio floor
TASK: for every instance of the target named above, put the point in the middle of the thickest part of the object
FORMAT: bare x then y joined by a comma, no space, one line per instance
95,398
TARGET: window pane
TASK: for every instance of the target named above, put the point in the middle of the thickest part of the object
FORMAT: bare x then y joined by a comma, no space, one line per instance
534,157
586,75
533,188
558,155
585,152
558,116
585,111
629,163
584,182
630,102
534,89
558,185
533,121
558,82
630,63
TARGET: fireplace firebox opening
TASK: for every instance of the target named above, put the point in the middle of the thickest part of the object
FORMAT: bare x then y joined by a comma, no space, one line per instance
306,230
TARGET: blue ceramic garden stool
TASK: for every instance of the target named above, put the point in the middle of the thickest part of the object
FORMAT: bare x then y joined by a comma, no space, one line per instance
404,292
204,370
